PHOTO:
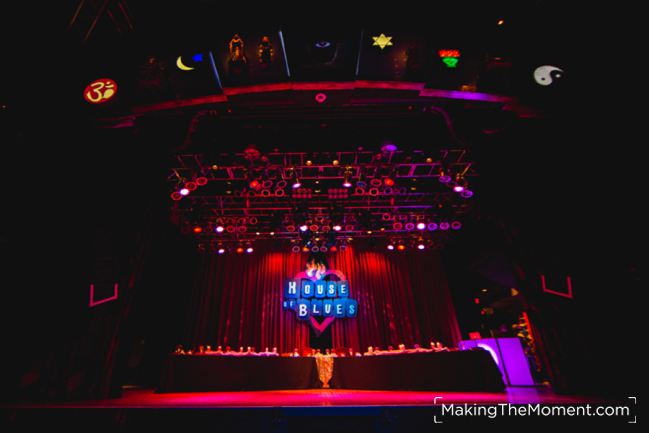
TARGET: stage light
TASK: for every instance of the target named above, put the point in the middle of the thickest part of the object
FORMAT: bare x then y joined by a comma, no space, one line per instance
458,188
320,97
432,226
322,44
444,177
369,232
198,229
220,250
191,186
290,228
201,181
176,196
219,229
388,181
304,228
297,183
323,249
239,250
401,247
272,233
335,162
184,191
337,228
429,160
389,148
397,226
410,226
456,225
295,248
391,247
249,250
501,22
346,182
230,229
254,184
444,226
305,249
466,193
333,248
313,227
421,226
309,162
421,246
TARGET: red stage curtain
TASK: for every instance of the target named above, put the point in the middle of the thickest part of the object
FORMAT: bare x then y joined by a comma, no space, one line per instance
402,296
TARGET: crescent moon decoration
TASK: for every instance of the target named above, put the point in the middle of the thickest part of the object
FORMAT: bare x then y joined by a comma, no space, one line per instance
182,66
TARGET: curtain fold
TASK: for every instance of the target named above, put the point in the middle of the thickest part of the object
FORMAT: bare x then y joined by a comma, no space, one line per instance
403,298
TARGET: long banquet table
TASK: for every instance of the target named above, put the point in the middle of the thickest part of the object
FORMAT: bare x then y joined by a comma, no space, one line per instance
471,370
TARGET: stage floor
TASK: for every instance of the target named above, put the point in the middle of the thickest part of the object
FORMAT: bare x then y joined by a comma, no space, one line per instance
147,398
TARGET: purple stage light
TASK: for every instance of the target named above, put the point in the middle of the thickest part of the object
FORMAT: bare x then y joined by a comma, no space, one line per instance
347,184
410,226
249,250
221,251
444,178
458,188
456,225
432,226
304,228
444,226
184,191
389,147
219,229
421,226
466,193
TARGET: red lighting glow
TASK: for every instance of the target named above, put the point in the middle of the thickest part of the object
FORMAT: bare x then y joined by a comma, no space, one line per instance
176,196
254,184
320,97
191,186
388,181
201,181
239,250
401,247
198,229
449,53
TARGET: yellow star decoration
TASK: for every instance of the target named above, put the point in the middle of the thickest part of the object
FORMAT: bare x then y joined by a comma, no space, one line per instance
382,41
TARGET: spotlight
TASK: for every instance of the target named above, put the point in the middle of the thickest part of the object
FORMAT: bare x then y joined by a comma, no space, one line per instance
421,246
389,148
249,250
432,226
219,229
254,184
320,97
401,247
337,228
397,226
230,229
391,247
410,226
239,250
456,225
388,181
305,249
346,182
304,228
295,248
220,250
297,183
466,193
184,191
313,227
201,181
458,188
444,226
309,162
191,186
198,229
421,226
333,248
175,196
444,177
290,228
335,162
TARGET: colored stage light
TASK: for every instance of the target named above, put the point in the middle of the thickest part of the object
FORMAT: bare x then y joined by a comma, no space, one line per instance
191,186
382,41
458,188
176,196
444,226
219,229
456,225
254,184
198,229
410,226
297,183
337,228
197,57
391,247
397,226
388,181
304,227
421,246
313,228
432,226
239,250
220,250
389,148
335,162
466,193
184,191
201,181
305,249
249,250
444,177
320,97
295,248
450,57
401,247
421,226
333,248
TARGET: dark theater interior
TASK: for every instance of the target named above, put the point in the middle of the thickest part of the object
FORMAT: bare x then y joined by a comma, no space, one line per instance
230,217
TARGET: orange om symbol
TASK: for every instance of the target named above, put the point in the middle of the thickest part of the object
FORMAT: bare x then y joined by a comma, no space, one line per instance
100,91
